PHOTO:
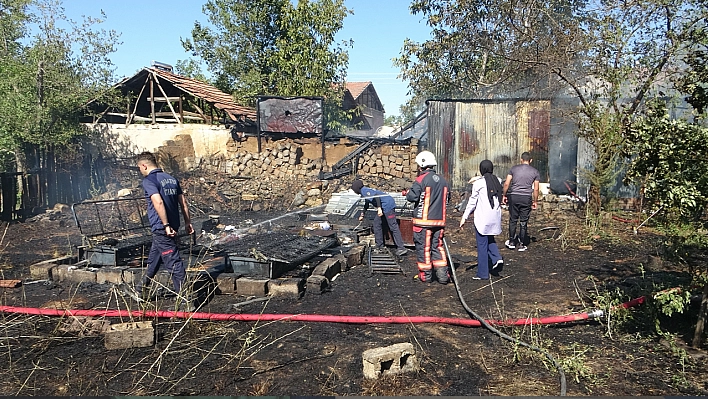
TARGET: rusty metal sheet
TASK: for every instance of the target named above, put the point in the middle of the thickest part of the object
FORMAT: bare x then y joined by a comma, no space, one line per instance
441,119
500,130
464,133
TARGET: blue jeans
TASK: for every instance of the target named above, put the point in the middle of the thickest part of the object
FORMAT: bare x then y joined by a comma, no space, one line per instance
487,254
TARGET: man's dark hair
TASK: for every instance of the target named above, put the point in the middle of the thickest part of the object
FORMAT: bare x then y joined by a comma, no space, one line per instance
146,156
526,156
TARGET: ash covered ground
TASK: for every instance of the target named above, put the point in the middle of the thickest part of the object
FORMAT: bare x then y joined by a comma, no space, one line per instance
563,271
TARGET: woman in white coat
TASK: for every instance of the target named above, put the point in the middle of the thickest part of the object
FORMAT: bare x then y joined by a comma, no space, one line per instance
485,205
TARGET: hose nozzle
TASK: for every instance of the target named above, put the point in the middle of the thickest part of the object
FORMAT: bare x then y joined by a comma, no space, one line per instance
595,314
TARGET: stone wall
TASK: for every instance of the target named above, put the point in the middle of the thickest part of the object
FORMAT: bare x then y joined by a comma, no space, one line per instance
220,172
282,176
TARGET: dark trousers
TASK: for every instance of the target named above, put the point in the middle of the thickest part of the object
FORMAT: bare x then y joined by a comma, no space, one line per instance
430,253
164,252
519,211
393,227
487,254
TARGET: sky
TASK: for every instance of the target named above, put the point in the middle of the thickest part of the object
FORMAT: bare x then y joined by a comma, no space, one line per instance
151,30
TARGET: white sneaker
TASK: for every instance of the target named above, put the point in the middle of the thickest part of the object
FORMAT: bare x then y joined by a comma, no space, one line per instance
522,248
509,244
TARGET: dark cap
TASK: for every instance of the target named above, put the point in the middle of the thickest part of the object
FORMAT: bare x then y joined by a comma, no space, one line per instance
357,185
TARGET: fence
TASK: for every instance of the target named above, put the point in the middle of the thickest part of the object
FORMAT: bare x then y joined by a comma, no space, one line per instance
25,194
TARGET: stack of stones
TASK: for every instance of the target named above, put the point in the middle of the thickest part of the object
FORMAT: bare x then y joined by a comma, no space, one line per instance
395,162
281,161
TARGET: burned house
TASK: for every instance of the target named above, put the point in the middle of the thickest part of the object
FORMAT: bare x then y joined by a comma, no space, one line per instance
156,95
362,96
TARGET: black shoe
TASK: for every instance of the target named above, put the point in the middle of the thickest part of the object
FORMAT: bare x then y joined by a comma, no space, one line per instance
401,252
499,264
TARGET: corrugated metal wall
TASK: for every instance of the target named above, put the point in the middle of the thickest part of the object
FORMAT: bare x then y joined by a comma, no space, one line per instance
464,133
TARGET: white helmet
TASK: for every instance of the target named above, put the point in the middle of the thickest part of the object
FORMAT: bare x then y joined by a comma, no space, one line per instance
425,159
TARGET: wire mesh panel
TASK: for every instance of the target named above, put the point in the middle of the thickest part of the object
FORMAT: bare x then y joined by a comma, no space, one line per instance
112,221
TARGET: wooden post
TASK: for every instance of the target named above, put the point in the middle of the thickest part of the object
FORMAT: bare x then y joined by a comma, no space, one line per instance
159,86
152,98
258,124
181,111
201,113
701,322
137,101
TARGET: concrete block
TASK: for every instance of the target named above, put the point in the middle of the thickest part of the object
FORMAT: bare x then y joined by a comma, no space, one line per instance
42,270
248,286
369,240
342,263
132,275
394,359
130,335
110,275
72,274
328,268
291,287
355,256
226,282
317,284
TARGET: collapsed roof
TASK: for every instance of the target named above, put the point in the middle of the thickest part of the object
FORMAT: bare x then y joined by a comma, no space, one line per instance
156,95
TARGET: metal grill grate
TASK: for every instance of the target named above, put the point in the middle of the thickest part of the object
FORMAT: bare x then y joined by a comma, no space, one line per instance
118,222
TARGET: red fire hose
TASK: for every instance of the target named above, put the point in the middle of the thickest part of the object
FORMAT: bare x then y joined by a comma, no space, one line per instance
310,317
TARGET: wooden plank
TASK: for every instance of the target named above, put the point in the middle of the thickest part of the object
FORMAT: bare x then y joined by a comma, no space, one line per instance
163,99
159,86
10,283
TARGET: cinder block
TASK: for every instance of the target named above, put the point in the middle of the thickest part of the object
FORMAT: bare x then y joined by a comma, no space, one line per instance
110,275
226,282
132,275
130,335
328,268
81,276
369,240
291,287
342,263
248,286
42,270
72,274
355,256
317,284
394,359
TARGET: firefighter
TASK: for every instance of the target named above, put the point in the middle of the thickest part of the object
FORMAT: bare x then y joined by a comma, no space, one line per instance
385,210
164,198
430,193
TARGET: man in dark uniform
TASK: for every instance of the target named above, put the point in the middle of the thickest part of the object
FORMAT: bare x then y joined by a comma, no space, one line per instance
164,198
430,193
385,210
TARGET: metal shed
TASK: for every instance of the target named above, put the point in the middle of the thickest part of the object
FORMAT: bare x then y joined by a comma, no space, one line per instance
462,133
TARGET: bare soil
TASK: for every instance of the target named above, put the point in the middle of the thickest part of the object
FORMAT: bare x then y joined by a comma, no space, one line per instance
563,271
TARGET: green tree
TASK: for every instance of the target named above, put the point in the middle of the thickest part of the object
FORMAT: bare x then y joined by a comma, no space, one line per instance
694,80
272,47
609,55
668,161
46,79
